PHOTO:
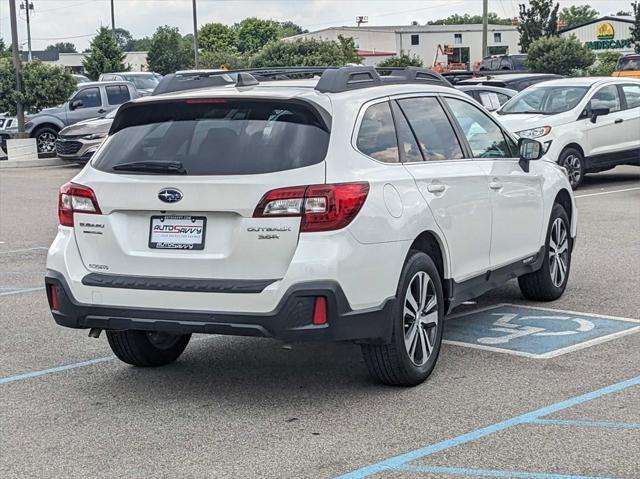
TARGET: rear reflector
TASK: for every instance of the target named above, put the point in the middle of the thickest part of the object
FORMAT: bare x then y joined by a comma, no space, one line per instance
75,199
322,207
55,304
320,311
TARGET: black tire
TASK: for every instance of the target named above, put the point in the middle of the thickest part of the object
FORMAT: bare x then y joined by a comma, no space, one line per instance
147,348
542,285
573,161
46,139
391,363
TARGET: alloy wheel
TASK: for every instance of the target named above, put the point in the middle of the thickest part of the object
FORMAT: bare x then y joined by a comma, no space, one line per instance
558,252
420,318
46,142
573,165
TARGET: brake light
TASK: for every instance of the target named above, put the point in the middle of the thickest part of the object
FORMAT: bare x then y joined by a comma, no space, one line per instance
198,101
75,199
322,207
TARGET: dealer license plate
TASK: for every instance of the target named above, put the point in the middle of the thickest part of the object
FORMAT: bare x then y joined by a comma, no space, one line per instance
177,232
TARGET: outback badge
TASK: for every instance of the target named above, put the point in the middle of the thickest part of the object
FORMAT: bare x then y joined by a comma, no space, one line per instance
170,195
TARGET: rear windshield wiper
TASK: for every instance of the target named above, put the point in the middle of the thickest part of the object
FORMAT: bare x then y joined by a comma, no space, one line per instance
152,166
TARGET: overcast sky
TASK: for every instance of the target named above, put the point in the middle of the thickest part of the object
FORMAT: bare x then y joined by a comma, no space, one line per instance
77,20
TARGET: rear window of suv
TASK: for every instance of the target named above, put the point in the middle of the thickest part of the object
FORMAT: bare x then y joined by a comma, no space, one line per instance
214,137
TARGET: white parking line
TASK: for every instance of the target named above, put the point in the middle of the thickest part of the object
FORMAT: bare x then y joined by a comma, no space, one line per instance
22,290
607,192
24,250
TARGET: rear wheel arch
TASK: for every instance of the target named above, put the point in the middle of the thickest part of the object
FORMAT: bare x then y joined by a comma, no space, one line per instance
431,244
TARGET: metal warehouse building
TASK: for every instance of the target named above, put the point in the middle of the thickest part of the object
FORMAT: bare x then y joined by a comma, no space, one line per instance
606,34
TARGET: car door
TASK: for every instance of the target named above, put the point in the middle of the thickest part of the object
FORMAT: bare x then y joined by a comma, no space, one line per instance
516,195
452,184
631,117
605,135
91,106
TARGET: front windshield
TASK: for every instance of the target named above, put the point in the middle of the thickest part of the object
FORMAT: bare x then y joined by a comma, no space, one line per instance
547,100
143,82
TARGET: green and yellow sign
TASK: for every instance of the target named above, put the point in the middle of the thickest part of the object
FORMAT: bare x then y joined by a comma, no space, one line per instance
605,39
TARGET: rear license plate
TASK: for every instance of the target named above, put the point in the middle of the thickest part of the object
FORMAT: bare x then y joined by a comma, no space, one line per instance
177,232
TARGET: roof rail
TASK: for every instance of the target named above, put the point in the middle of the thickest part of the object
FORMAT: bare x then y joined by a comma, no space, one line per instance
348,78
411,75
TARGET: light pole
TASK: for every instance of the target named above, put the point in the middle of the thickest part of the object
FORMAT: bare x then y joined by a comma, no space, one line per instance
113,20
195,34
16,66
26,6
485,26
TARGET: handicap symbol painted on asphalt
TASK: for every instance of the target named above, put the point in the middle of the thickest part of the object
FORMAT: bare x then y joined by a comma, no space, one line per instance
534,332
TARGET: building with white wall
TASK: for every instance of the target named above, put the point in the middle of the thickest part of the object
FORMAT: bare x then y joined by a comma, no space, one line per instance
137,61
423,41
606,34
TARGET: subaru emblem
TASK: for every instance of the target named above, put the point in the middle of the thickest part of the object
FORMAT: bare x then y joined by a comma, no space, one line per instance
170,195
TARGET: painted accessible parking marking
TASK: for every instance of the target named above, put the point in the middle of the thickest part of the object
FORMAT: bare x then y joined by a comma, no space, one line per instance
534,332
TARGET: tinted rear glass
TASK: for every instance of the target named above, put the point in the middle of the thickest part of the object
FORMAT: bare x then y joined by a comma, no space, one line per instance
223,138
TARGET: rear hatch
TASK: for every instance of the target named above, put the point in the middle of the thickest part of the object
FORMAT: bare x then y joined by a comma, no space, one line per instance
177,184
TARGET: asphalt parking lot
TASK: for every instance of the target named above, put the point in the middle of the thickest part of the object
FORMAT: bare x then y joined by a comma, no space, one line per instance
518,392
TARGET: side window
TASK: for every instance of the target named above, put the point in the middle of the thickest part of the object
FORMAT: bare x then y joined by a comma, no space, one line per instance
484,136
117,94
502,98
377,135
90,97
432,129
409,149
415,39
606,97
632,94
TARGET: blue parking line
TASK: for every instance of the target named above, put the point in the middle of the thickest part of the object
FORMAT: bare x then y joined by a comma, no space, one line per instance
42,372
581,423
398,461
463,471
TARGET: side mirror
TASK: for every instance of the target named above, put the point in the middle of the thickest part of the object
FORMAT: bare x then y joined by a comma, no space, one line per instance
596,112
529,150
75,104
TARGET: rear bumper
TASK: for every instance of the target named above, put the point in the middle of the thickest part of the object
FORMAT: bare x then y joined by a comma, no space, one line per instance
291,320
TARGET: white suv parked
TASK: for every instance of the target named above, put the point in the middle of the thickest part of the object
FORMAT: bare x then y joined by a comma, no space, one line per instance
349,208
586,124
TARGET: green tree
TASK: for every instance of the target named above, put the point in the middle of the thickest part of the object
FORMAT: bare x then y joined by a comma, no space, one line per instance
308,52
4,50
62,47
254,33
44,86
467,19
536,21
635,28
605,64
349,50
138,45
289,29
560,55
578,14
228,60
168,51
403,60
218,38
123,38
104,55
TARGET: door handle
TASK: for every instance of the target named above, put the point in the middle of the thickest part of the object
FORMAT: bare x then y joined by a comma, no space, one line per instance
495,185
436,188
619,120
101,110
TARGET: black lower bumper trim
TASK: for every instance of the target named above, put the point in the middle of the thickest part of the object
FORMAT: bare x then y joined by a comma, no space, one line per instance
177,284
291,320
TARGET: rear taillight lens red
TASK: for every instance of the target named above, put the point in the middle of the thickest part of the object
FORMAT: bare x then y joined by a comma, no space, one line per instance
76,199
322,207
320,311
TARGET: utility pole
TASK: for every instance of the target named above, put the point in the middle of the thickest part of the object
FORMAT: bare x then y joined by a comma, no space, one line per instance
113,20
195,34
26,6
16,66
485,26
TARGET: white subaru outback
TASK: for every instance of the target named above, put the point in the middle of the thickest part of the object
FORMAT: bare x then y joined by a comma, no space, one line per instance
352,207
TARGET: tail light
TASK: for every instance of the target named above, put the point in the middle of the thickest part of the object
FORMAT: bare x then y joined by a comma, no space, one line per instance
76,199
320,311
322,207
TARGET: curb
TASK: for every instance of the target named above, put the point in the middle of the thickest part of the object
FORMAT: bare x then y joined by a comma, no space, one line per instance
33,163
